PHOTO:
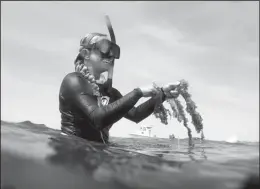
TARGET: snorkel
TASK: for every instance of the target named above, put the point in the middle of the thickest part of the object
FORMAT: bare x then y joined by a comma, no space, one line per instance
108,84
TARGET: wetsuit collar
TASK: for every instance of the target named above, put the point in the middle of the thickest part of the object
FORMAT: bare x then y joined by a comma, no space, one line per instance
102,89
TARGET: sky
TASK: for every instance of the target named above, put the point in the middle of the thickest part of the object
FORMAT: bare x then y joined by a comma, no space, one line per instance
213,45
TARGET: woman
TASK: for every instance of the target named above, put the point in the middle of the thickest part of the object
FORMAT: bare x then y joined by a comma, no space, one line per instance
88,109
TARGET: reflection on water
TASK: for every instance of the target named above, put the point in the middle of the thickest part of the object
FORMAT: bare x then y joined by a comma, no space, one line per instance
151,167
170,150
105,164
71,162
77,152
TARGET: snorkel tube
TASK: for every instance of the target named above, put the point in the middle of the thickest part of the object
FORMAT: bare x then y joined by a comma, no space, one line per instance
113,39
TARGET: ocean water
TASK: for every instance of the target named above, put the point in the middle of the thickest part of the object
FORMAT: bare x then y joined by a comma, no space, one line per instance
34,156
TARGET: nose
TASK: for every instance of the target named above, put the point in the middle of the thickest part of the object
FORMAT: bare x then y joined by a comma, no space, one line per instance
110,53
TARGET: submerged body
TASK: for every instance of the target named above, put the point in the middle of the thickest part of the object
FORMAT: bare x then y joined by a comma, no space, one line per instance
37,157
82,116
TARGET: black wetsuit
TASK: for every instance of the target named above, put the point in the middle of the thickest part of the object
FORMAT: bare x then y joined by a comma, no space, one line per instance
81,115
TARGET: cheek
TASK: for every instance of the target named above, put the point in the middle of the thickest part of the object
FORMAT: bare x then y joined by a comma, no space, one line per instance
97,62
95,58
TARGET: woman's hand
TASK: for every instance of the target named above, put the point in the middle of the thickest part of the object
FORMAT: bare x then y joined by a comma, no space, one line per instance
171,90
149,91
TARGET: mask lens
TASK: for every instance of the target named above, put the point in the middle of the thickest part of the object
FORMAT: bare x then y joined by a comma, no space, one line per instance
104,46
115,49
108,49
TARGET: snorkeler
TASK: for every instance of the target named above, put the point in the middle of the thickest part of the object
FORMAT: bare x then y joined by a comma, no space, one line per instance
88,106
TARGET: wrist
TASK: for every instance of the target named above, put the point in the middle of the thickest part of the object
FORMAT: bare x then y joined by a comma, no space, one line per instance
139,91
163,94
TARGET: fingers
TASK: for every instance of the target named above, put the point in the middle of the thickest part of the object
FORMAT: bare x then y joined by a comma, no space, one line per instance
172,94
174,85
169,90
171,86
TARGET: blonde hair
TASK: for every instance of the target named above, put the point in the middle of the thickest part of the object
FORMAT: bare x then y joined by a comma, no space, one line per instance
86,43
83,69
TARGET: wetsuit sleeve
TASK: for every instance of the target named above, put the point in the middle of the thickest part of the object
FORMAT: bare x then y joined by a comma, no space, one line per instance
137,114
100,117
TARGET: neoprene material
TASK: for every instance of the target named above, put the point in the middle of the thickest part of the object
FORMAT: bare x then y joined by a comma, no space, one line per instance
81,115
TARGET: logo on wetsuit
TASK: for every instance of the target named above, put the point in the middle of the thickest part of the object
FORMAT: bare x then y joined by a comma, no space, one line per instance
104,100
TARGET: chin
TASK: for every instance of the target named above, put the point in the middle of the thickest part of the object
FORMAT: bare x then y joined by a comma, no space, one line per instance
103,70
107,67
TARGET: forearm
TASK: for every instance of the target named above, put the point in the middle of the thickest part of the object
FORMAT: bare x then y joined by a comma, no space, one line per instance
145,109
107,115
